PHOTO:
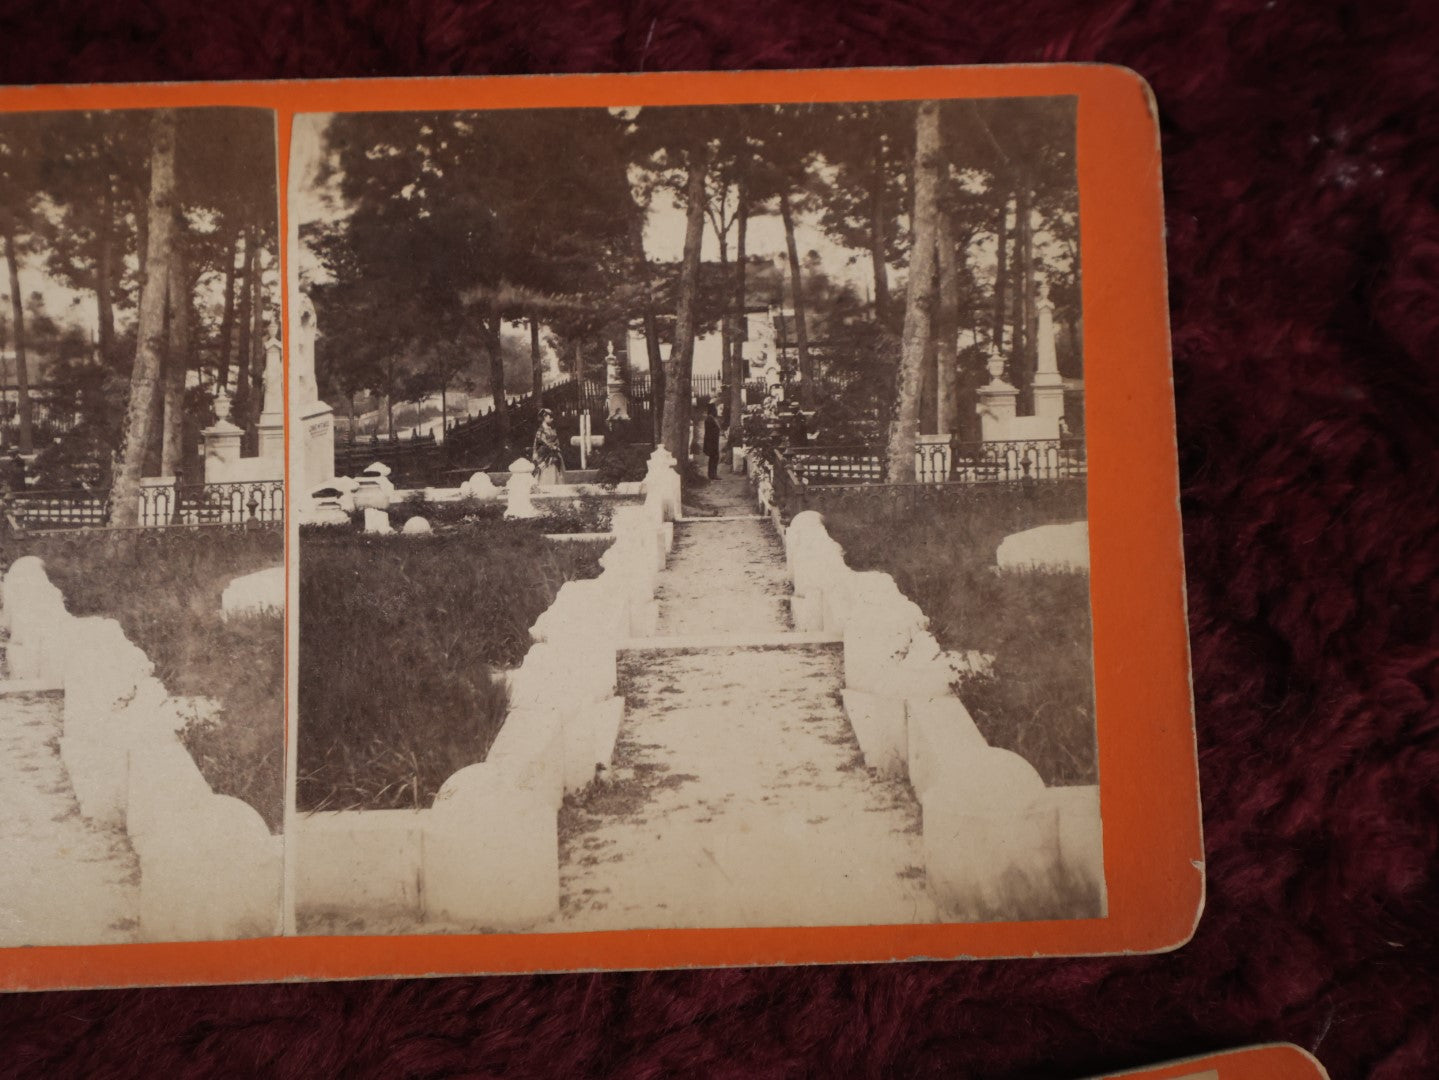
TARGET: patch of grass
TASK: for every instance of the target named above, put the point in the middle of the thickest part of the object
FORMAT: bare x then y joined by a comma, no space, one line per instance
440,514
1038,699
399,640
1058,895
580,514
164,589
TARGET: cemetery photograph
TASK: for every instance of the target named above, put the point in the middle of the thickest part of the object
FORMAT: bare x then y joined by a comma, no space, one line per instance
692,519
142,581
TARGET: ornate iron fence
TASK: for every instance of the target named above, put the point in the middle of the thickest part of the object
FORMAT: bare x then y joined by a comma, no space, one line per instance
249,502
29,510
239,503
835,464
1019,459
805,478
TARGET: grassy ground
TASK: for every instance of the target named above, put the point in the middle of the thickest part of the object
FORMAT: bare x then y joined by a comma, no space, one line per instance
399,637
583,513
164,589
1038,700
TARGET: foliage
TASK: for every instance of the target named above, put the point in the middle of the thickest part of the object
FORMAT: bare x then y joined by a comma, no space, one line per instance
627,463
580,514
164,589
399,642
1038,699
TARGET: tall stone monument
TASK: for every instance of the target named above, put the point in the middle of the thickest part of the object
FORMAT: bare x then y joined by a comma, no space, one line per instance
998,401
314,419
223,463
617,401
272,414
1048,385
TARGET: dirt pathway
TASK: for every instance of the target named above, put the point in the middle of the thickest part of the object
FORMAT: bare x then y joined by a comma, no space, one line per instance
739,795
63,881
724,577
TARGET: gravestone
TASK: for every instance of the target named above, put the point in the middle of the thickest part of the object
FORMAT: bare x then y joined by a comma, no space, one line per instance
617,402
520,489
373,487
586,440
479,486
326,506
316,419
1048,386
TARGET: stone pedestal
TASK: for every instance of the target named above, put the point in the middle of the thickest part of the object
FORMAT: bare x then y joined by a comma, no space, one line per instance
519,490
998,403
272,439
317,444
1049,398
222,450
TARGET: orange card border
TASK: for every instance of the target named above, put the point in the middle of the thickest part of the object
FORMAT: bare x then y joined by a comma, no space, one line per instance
1271,1061
1149,786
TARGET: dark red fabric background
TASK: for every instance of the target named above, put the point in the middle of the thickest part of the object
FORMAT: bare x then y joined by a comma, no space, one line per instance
1302,169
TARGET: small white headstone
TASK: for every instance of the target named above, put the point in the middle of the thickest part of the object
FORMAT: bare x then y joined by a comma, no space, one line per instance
479,486
254,594
377,521
417,526
1049,547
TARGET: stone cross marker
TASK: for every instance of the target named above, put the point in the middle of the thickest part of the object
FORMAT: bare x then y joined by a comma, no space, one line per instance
586,440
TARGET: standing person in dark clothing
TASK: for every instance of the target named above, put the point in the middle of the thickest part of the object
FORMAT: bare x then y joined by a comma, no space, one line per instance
711,441
12,474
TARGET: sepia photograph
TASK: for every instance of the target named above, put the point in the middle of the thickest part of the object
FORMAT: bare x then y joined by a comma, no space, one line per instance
142,581
692,519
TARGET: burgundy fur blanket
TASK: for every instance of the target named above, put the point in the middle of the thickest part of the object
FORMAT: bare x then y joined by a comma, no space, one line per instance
1301,151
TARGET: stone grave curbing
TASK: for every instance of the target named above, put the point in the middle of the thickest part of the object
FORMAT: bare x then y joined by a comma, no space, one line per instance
992,830
210,871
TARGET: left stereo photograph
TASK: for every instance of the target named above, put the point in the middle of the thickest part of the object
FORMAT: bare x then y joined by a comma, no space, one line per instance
142,544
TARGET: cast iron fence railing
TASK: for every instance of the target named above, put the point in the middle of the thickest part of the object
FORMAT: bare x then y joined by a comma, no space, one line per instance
236,503
804,477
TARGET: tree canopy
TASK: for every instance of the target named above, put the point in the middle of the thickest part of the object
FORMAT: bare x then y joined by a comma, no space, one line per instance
450,225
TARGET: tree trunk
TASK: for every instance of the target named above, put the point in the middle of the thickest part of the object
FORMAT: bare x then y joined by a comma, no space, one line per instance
25,414
946,328
257,341
877,238
726,324
739,366
676,425
537,362
240,408
227,321
497,376
928,396
142,240
652,331
177,362
801,335
1001,232
144,379
919,294
352,418
105,273
1022,370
